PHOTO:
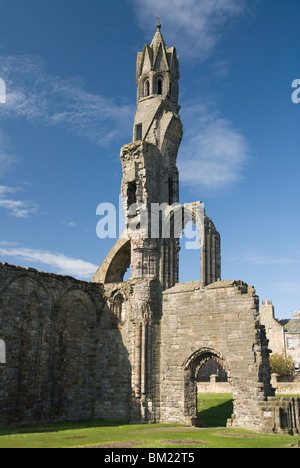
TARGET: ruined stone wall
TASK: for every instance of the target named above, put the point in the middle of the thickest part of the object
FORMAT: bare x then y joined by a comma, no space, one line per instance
219,321
138,321
64,356
274,330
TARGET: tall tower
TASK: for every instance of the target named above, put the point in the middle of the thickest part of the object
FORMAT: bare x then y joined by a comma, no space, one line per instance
154,223
150,174
157,75
150,184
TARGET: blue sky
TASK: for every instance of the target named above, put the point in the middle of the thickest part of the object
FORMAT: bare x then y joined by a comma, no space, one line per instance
69,69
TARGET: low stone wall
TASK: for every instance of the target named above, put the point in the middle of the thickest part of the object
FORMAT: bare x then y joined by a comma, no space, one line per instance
280,415
213,386
282,388
285,388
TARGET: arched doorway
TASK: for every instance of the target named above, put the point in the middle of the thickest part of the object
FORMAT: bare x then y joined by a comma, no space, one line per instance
192,369
212,368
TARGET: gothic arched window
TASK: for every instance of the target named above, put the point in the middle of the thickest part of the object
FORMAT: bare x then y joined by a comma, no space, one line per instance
118,307
147,88
159,86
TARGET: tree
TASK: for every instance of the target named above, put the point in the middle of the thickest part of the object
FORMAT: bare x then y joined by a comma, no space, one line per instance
282,366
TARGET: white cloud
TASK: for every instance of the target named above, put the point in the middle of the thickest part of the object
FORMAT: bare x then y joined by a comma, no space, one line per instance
213,153
19,208
6,156
42,98
254,257
4,190
16,208
195,26
57,262
288,287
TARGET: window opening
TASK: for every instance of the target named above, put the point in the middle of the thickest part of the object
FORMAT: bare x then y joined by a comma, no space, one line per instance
131,193
159,86
139,132
118,307
147,88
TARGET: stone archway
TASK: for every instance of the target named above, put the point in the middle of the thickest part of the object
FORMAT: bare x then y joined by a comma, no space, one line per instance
116,263
178,216
191,367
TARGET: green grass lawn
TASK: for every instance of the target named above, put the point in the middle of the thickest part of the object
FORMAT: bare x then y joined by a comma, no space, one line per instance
214,410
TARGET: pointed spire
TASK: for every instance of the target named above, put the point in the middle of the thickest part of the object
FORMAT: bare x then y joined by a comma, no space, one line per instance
158,39
157,57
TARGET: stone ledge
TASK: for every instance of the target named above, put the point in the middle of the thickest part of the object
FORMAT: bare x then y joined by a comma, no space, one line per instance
197,285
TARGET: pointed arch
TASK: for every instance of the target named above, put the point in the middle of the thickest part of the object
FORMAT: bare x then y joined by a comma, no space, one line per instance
191,367
160,85
27,343
74,355
199,357
116,263
117,304
147,87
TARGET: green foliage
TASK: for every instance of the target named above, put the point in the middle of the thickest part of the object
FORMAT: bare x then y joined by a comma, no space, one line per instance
282,366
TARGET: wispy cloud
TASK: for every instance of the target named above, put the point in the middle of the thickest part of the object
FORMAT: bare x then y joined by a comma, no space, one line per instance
213,153
16,208
253,257
288,287
42,98
57,262
195,26
7,157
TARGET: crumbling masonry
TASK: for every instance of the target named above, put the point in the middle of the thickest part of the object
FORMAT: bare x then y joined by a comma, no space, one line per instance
131,350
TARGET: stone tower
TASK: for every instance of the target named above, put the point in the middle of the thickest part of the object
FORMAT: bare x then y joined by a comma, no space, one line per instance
150,174
150,186
154,223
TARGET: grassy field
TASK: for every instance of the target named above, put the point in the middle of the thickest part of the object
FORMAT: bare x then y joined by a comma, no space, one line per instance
214,410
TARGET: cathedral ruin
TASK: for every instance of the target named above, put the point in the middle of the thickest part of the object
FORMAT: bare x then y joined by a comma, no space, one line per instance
131,350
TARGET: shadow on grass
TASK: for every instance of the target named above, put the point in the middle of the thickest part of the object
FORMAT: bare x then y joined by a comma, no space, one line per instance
216,416
57,427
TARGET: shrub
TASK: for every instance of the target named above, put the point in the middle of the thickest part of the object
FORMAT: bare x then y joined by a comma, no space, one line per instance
282,366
